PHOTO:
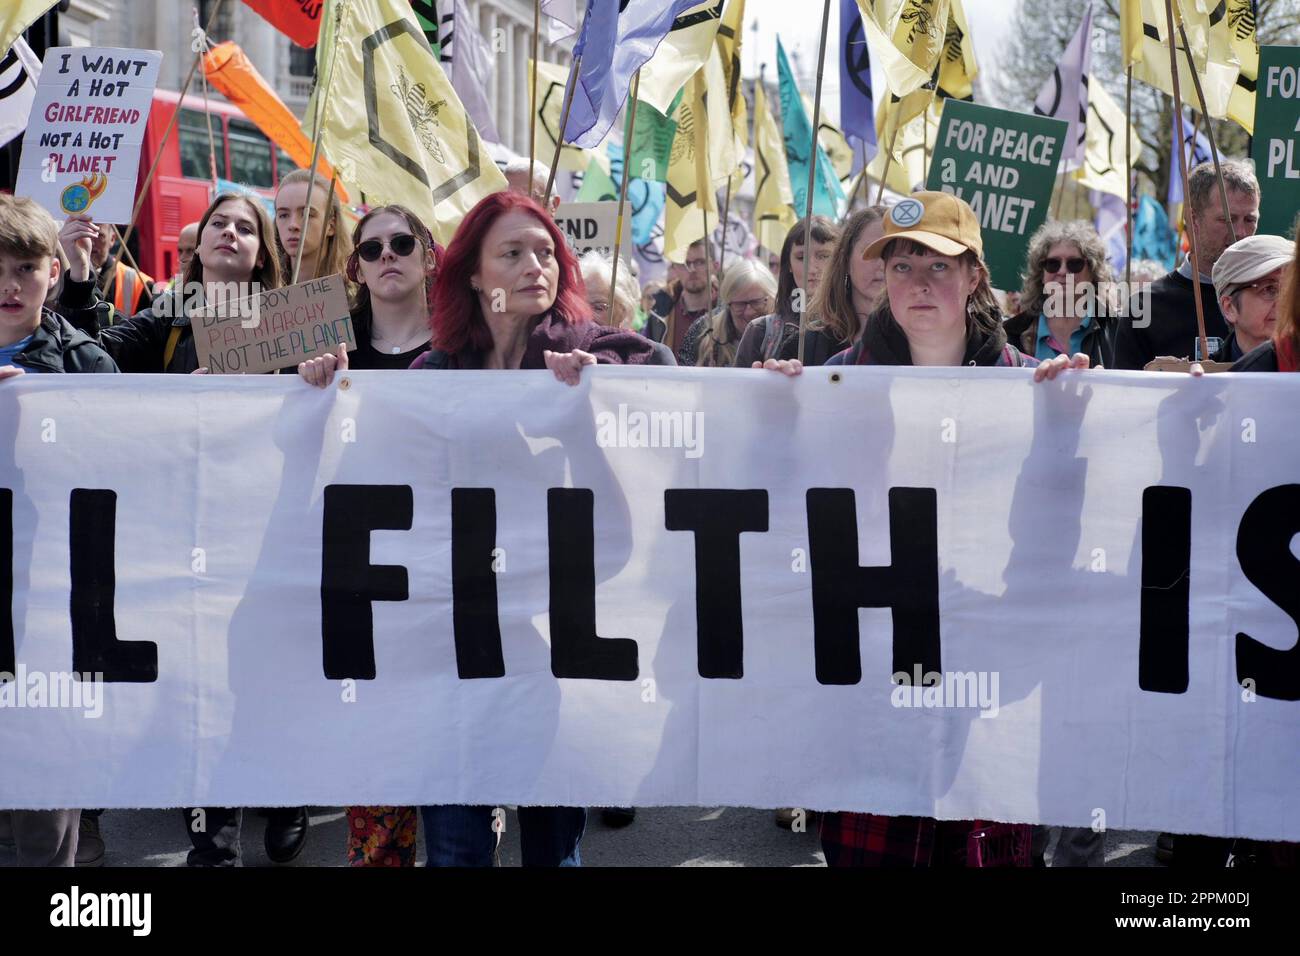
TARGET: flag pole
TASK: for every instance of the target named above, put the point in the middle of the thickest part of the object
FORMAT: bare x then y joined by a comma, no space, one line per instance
564,121
1209,132
889,158
171,125
1128,177
622,194
532,98
1182,165
315,145
812,171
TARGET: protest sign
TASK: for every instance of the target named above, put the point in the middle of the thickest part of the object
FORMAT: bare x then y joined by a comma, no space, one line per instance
493,588
1003,164
1275,146
277,329
591,225
81,151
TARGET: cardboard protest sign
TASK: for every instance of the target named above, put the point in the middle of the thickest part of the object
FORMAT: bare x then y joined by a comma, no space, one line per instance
1276,144
591,225
82,145
1003,164
277,329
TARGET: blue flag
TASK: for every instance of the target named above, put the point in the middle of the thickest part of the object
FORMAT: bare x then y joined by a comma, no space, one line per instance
1152,237
1197,150
645,198
828,194
857,105
618,37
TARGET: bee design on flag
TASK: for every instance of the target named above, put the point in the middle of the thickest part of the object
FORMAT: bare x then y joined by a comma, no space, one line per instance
684,141
1241,19
422,114
921,17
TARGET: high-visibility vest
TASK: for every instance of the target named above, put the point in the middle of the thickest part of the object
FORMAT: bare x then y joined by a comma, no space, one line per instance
129,288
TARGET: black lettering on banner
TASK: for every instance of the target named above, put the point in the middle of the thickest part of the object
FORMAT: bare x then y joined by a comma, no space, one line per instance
92,529
1166,589
8,654
349,582
1264,550
576,649
908,586
475,619
717,516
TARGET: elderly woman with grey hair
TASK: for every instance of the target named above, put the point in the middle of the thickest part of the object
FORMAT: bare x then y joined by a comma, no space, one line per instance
1063,301
748,291
597,269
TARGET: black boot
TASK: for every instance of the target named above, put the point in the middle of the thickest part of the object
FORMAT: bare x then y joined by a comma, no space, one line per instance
286,833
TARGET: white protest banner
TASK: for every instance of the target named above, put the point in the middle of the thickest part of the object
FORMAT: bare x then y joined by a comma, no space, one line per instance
276,329
593,225
82,146
477,587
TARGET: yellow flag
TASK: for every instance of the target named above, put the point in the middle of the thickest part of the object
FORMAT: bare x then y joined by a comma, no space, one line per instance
831,139
680,55
390,121
551,81
907,37
1104,160
724,156
957,67
952,74
16,16
689,188
773,197
728,42
915,138
1130,31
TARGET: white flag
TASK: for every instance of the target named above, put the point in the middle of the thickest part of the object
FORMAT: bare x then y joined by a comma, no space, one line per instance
1065,94
19,72
471,65
564,18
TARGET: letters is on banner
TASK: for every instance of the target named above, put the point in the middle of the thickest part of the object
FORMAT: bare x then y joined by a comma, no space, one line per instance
909,591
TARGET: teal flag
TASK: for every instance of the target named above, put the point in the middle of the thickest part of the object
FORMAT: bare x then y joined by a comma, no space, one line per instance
828,195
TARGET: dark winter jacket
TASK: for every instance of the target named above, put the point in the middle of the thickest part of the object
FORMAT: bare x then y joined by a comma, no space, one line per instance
58,347
609,345
884,343
1098,337
137,344
759,342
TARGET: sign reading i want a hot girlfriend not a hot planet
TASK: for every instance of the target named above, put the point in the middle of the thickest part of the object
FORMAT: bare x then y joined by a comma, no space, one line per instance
82,145
1003,164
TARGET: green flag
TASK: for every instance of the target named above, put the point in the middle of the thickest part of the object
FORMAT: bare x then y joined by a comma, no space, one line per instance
828,194
597,185
652,140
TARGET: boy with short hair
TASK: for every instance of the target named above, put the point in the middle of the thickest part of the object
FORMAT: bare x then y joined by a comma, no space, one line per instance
35,340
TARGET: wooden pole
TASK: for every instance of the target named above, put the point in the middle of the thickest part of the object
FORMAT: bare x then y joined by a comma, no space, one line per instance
564,121
1182,163
622,194
532,99
884,173
812,173
1209,133
1128,177
315,146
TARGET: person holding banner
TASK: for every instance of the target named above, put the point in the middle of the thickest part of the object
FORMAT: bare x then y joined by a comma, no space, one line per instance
235,258
325,246
748,291
597,273
853,284
1063,299
776,336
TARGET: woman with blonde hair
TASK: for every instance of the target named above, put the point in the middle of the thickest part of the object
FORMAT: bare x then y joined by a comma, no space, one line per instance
319,236
748,291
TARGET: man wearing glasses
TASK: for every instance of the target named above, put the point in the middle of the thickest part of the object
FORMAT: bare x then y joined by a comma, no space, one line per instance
1247,282
696,296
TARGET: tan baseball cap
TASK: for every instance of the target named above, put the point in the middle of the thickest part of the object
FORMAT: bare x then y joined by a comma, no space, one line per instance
938,221
1249,259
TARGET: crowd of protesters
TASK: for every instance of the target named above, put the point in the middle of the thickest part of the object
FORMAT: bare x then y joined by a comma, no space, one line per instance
507,293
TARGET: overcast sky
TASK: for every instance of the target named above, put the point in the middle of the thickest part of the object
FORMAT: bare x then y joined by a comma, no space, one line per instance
798,22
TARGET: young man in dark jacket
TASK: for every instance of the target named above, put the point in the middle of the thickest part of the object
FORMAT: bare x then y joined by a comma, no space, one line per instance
33,340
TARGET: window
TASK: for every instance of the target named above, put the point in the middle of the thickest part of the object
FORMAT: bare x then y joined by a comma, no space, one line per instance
250,156
192,139
284,164
222,28
302,62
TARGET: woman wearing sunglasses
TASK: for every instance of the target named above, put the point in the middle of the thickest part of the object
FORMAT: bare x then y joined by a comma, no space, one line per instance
1062,303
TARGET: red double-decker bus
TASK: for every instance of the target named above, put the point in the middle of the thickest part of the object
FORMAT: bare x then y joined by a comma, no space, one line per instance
182,186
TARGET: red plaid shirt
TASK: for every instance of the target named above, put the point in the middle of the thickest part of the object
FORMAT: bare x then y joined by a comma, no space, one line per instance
869,839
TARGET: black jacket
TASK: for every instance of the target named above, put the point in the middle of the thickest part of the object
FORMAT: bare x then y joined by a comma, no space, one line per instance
58,347
818,346
1261,359
1170,327
1098,338
137,344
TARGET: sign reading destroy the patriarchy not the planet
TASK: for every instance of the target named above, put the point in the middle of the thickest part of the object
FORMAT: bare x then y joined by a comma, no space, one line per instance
82,146
1003,164
1276,143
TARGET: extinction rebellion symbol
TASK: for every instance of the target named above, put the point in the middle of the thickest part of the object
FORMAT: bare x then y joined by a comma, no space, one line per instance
907,213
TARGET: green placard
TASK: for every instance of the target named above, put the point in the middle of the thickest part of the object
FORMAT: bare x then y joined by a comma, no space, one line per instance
1004,164
1276,144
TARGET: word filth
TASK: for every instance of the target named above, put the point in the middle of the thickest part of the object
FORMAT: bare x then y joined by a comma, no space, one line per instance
716,518
639,429
74,908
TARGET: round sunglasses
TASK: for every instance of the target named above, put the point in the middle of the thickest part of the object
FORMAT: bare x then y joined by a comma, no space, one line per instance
372,249
1074,265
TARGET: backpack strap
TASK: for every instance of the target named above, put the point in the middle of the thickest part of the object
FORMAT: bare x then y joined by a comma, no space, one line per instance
173,337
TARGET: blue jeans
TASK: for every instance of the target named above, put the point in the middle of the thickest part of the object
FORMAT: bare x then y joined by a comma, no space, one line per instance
463,835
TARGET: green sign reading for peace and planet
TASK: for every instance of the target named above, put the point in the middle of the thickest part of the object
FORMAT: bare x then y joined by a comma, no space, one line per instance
1276,143
1003,164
